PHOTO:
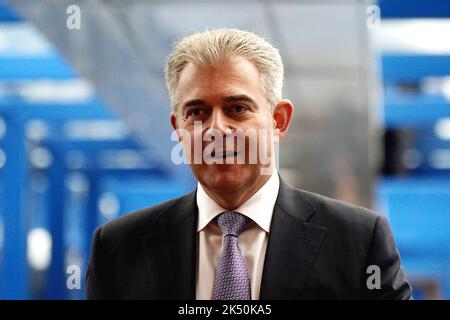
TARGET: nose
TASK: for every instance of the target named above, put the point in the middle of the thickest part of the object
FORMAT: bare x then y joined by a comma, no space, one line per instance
219,122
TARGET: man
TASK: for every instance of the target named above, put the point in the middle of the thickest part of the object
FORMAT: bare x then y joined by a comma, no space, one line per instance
244,233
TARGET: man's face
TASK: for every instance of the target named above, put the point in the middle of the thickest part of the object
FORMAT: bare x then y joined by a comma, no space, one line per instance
222,100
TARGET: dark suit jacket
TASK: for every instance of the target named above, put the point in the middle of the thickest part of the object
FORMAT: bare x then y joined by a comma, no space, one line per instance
318,248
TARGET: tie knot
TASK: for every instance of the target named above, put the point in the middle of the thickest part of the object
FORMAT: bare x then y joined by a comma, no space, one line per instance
232,223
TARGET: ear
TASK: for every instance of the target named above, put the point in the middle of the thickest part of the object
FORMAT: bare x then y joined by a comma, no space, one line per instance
173,122
282,117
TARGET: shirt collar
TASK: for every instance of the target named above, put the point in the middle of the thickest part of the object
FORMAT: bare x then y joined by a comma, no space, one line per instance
259,207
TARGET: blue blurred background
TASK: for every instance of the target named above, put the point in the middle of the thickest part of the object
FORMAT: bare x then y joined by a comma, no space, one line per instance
85,134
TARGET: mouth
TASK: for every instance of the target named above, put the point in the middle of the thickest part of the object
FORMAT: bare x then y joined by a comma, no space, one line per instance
223,155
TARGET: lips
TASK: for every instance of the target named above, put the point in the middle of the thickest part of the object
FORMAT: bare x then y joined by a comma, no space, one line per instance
222,154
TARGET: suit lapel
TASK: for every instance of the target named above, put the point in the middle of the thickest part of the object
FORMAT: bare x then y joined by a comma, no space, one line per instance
170,251
293,246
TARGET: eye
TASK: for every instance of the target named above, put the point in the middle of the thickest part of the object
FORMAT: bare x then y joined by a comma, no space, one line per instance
195,112
239,108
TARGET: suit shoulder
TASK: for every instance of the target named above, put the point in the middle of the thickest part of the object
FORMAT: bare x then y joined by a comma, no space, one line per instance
137,222
330,210
350,228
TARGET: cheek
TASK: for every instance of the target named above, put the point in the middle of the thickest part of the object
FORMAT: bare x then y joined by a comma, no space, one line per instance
265,143
193,146
190,137
186,139
265,131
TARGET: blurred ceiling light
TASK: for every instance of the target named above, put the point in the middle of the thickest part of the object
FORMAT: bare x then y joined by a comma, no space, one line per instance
73,256
36,130
426,36
22,39
41,158
95,130
440,159
121,159
442,129
39,248
109,205
412,158
2,158
77,183
446,88
2,128
57,91
436,85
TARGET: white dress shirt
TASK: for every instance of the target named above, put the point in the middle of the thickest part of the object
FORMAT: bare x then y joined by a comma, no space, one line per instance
252,241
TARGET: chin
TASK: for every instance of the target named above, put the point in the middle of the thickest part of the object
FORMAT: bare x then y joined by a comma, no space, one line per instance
224,180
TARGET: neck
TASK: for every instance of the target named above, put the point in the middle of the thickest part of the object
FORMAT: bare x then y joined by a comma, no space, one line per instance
232,200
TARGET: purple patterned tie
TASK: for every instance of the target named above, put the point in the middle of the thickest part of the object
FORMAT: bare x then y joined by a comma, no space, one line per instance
231,280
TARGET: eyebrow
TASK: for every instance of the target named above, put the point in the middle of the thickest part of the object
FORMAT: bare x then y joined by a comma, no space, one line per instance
194,103
236,98
239,98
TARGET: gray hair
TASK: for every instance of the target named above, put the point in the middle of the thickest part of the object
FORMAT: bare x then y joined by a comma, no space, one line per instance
209,48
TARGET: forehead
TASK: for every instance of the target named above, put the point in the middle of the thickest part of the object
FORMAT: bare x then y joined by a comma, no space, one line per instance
236,76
